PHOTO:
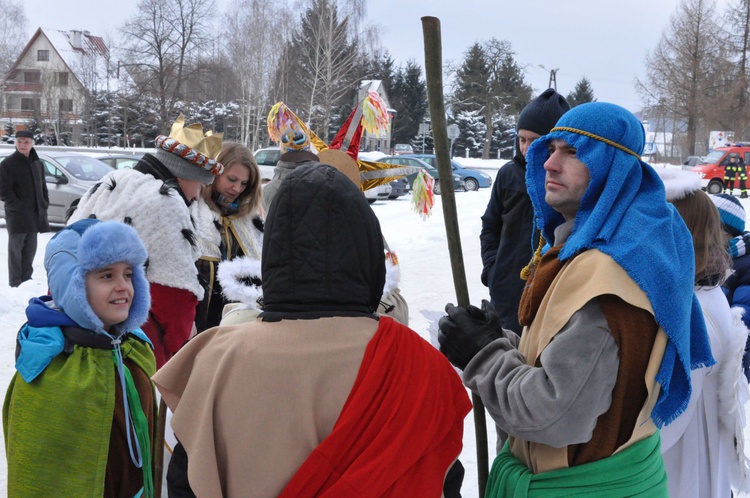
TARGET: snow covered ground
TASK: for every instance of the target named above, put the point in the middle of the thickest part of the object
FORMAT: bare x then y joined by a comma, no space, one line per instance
426,283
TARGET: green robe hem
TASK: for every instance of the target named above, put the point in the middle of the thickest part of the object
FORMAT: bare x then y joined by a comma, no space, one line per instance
636,471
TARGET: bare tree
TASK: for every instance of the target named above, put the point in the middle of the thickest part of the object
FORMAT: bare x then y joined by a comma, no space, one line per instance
13,35
323,58
58,101
12,32
164,39
254,34
683,71
737,27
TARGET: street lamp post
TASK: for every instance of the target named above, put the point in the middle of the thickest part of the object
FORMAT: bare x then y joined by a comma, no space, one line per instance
552,76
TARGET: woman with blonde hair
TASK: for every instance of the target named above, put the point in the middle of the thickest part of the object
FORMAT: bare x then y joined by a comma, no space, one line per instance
228,226
703,448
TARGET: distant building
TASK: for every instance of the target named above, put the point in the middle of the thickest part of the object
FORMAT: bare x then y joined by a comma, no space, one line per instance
660,146
52,79
371,142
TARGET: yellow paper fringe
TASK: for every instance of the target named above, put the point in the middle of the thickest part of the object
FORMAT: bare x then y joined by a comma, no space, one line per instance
374,115
423,194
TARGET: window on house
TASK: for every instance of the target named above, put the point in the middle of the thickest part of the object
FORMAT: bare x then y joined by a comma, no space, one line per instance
42,55
32,76
62,79
66,105
28,104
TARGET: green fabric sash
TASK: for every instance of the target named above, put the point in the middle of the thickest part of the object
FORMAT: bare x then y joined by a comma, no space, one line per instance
636,471
57,427
140,425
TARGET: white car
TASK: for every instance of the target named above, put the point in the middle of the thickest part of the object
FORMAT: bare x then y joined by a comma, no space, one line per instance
381,192
267,159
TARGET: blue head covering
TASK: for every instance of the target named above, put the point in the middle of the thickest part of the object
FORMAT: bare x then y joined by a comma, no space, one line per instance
624,213
89,245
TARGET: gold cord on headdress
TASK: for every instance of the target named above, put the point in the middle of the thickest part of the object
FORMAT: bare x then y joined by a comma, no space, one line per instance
535,259
596,137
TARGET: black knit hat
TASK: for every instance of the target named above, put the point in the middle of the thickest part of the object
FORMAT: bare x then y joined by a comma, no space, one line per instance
543,112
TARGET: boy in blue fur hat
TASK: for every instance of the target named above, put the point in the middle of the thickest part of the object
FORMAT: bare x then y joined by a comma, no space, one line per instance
612,328
79,414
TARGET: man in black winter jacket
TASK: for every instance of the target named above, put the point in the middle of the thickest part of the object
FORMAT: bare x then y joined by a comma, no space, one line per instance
24,192
506,236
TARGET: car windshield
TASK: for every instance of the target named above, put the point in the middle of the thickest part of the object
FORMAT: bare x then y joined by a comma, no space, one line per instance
83,167
268,157
713,157
402,148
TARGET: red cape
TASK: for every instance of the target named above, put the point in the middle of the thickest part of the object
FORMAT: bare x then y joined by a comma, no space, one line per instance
400,429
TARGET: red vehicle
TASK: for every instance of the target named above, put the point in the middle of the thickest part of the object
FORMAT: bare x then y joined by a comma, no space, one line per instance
711,167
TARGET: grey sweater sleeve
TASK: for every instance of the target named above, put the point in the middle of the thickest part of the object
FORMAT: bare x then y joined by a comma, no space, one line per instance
558,402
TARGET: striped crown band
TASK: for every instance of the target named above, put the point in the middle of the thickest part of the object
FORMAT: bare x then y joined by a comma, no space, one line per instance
596,137
189,154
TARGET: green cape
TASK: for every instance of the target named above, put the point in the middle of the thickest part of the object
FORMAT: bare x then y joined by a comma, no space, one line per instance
57,428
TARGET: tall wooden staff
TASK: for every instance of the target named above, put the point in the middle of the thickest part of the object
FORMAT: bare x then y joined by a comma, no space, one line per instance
433,56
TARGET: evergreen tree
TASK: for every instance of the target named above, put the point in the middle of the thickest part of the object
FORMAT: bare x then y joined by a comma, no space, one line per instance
582,93
409,98
503,137
10,131
471,81
471,124
422,143
491,82
380,67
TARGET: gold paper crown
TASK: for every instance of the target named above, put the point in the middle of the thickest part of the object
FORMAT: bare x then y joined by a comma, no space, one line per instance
208,143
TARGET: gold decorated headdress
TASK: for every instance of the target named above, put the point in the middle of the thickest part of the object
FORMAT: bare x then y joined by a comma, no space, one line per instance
193,145
208,143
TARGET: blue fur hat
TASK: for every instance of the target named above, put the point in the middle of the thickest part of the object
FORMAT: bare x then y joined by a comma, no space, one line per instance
624,214
88,245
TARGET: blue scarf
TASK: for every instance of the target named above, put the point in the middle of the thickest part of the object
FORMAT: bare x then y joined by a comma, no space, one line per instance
624,214
41,338
738,245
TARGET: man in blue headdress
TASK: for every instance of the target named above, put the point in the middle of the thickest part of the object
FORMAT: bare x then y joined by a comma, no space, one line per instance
611,325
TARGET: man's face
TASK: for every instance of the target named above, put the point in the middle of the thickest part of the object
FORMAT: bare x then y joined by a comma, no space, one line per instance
525,139
190,188
24,145
566,180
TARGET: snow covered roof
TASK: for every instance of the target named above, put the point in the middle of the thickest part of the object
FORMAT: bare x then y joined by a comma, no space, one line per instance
72,47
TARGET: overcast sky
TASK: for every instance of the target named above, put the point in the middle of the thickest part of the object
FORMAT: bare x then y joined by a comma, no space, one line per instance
606,41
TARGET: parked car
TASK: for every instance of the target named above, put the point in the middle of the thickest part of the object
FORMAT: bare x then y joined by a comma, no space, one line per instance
121,161
711,167
381,192
458,184
267,159
691,161
399,187
399,149
473,179
68,175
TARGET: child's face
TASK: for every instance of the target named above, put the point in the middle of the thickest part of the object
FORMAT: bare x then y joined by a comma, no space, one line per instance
109,291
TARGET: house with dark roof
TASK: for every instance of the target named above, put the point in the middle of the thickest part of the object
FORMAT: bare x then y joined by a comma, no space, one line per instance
51,80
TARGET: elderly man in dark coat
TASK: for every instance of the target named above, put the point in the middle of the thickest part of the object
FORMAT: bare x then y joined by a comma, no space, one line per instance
24,192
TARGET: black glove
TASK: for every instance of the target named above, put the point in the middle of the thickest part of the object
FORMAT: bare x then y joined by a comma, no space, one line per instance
465,331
